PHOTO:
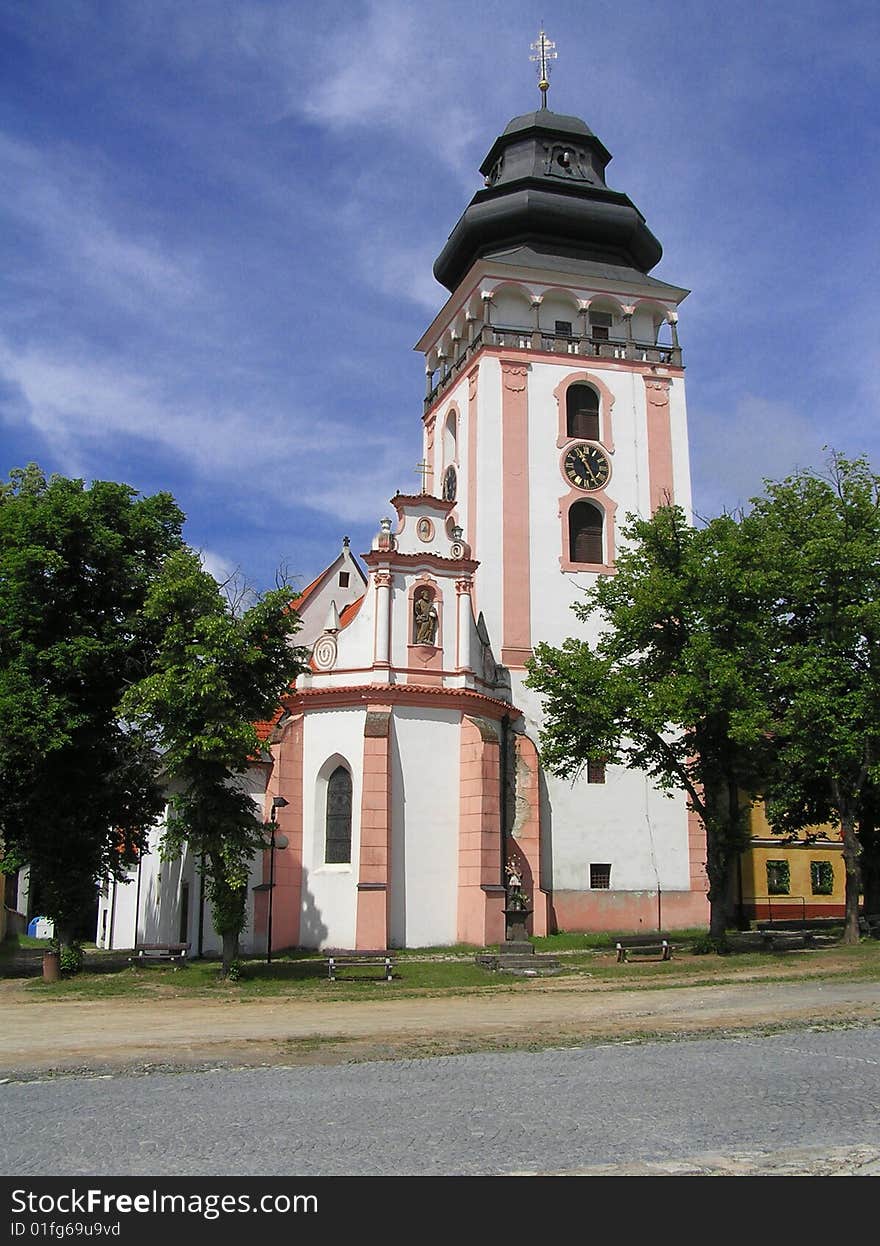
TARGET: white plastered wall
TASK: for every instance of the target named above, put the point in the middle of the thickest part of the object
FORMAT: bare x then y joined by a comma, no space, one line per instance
158,895
329,892
425,767
489,531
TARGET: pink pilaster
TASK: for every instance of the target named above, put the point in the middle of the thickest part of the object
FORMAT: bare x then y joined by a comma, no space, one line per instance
472,433
286,781
659,442
480,896
375,847
697,853
527,831
516,596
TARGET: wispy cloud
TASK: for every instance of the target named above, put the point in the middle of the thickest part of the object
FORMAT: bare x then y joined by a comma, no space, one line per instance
78,406
735,450
65,203
381,73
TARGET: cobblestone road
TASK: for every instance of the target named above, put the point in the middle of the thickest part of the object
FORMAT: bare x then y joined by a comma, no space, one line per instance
802,1101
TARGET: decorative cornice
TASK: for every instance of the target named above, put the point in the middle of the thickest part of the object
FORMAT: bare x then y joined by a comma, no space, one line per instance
401,500
463,699
393,561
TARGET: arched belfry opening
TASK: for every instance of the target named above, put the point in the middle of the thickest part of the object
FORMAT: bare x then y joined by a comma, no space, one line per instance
586,525
582,412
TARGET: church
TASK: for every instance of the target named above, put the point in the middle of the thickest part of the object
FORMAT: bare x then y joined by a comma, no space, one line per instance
402,775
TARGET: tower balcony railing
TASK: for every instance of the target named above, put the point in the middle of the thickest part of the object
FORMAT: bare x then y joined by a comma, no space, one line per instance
584,347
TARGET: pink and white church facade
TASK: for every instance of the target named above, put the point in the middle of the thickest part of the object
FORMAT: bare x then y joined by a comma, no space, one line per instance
408,753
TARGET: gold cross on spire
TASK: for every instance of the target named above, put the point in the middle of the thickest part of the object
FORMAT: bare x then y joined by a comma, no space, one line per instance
545,52
423,469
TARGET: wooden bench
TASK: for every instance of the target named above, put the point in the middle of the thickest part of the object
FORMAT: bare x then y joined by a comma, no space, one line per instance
172,952
653,946
350,960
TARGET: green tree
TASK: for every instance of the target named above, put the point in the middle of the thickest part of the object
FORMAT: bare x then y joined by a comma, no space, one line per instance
672,685
817,544
77,788
215,674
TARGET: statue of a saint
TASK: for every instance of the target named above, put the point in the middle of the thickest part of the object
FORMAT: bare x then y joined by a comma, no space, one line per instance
425,618
517,901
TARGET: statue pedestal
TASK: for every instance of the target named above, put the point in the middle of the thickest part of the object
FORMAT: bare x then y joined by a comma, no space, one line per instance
516,954
515,937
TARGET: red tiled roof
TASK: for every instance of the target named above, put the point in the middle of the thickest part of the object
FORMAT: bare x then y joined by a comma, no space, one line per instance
309,588
350,611
265,729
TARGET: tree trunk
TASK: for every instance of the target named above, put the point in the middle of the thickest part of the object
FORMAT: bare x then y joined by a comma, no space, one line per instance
719,864
724,835
853,878
227,909
230,949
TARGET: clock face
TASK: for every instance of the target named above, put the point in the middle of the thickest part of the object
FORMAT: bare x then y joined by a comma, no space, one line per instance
586,467
450,484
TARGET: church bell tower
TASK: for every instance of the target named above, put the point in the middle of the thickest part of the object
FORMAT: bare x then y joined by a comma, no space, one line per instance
555,407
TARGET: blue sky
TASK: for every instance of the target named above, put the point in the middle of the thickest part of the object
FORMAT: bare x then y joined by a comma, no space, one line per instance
219,220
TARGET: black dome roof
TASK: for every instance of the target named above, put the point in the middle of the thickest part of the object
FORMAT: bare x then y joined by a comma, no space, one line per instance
545,189
573,125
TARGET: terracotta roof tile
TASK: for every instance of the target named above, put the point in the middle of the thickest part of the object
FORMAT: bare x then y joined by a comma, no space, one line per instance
350,611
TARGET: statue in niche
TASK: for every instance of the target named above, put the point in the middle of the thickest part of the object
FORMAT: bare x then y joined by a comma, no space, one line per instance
517,900
425,618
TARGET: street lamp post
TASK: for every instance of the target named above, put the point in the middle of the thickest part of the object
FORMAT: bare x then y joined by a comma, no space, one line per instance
278,802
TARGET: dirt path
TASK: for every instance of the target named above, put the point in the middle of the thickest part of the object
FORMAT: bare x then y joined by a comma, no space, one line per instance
64,1036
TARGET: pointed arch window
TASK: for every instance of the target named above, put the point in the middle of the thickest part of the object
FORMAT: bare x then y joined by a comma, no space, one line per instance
337,849
585,533
582,412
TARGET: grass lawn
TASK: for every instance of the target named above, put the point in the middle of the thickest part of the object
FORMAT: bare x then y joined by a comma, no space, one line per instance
440,971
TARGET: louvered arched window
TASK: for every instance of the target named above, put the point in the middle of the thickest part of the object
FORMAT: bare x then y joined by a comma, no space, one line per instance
337,850
582,412
585,523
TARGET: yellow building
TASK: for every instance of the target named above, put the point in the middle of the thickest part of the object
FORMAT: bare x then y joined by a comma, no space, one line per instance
791,877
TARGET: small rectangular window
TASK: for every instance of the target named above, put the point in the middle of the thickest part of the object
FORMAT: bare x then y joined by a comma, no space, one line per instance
600,877
595,772
822,877
778,878
343,579
563,328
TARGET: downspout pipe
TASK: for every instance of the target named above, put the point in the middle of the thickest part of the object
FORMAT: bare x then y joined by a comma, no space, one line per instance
201,905
505,730
137,899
